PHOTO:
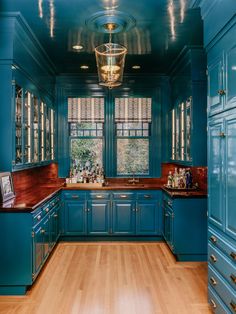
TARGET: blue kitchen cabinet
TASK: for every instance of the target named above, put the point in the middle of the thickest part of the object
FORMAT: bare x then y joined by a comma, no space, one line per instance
148,213
55,226
222,73
185,227
216,146
75,217
123,217
98,217
25,246
188,116
221,172
216,91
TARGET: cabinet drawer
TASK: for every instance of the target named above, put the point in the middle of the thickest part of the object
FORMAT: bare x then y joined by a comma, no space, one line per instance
146,195
55,201
223,265
74,195
219,242
99,195
123,195
219,285
217,305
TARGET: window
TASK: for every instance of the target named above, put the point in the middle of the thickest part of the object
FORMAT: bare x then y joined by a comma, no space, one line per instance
86,120
133,125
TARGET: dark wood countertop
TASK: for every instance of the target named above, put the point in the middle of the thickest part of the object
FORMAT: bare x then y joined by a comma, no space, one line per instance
29,200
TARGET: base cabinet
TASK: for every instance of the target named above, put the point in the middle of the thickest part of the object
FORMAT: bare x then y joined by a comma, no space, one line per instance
26,242
185,227
113,213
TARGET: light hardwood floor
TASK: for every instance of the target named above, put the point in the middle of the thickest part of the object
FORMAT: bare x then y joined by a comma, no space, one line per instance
114,278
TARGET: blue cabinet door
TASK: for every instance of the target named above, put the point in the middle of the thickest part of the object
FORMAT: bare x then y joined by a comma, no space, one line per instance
75,218
215,172
123,217
37,249
98,217
147,219
168,226
54,220
215,86
230,77
230,171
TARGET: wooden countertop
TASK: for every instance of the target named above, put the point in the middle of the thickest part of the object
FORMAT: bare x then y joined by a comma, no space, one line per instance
29,200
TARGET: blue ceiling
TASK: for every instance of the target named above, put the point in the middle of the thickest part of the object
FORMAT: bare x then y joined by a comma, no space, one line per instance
162,28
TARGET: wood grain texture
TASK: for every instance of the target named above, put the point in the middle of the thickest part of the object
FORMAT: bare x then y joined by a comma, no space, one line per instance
114,278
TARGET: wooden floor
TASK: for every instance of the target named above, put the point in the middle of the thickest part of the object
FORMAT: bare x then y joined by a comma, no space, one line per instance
114,278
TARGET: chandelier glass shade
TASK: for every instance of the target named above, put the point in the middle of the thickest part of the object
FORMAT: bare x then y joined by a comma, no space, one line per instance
110,60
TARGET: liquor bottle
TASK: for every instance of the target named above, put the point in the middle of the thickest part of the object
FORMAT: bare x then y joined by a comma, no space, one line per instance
170,179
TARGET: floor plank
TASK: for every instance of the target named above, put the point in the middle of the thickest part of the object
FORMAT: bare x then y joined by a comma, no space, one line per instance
114,278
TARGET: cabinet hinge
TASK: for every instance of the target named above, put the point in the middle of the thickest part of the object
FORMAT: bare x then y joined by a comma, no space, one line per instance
13,82
206,72
33,276
32,234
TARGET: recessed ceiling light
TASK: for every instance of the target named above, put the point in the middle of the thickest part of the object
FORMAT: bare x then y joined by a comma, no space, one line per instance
136,67
77,47
84,67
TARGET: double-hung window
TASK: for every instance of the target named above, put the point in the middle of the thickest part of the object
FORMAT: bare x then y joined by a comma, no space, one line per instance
86,124
133,117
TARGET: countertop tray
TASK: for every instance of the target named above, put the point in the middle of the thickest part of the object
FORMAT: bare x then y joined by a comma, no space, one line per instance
194,188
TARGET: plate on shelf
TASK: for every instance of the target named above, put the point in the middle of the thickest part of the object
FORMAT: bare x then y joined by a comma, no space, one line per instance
194,188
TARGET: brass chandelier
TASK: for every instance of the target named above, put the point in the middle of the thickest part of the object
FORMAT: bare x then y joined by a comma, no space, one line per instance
110,58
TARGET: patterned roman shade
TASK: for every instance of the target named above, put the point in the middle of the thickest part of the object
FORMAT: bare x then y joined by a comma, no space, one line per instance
133,109
83,110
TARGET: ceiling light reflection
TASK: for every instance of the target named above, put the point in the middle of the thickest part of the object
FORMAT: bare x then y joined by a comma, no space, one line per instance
182,10
171,10
52,17
40,6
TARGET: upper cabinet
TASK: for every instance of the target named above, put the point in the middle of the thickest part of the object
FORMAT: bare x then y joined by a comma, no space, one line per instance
34,130
221,72
27,117
189,104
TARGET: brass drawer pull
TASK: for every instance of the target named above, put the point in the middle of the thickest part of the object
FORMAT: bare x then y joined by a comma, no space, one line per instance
233,255
147,196
233,278
47,210
213,304
39,217
213,281
55,216
123,196
99,196
42,231
75,196
222,134
233,306
213,239
213,258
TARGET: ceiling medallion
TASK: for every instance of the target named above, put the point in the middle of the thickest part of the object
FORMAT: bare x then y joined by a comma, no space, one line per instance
123,22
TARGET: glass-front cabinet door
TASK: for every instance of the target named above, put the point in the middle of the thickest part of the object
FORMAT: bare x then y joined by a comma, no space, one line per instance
181,131
34,130
18,125
27,124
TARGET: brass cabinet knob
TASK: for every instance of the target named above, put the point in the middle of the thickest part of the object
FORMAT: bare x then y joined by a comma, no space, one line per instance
55,216
213,239
39,217
233,278
222,134
42,231
233,306
233,255
221,92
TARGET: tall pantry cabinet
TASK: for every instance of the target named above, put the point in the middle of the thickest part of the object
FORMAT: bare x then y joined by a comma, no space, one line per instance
222,170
